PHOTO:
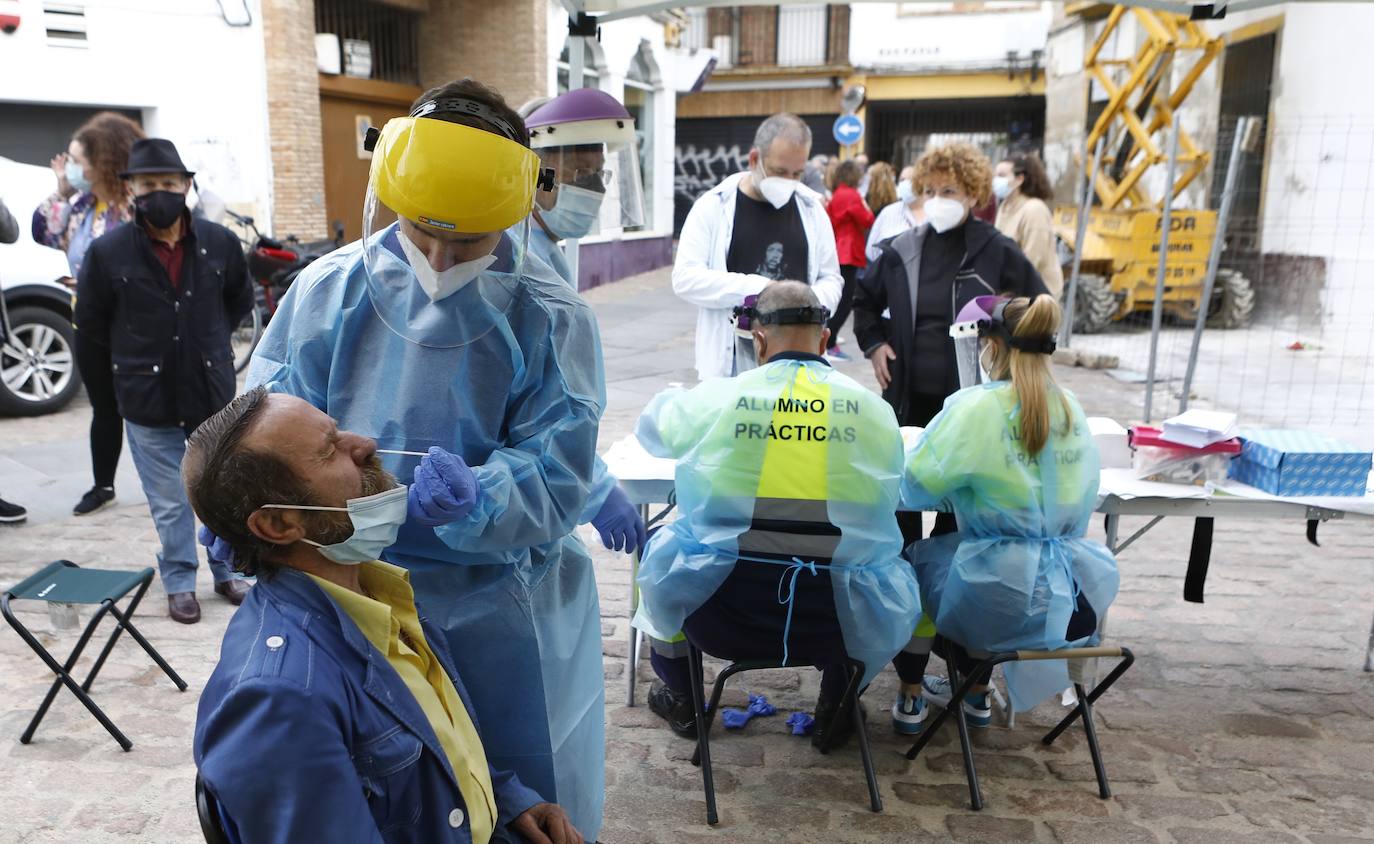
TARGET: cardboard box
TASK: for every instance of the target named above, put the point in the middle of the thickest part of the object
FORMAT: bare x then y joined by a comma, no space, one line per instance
1290,462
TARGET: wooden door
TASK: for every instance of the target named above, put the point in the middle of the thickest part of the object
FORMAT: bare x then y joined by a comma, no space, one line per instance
347,108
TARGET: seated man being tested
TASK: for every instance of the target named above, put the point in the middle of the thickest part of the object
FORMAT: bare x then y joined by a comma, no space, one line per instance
787,547
335,713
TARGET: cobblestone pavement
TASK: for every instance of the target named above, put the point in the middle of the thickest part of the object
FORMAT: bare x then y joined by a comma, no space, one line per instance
1246,719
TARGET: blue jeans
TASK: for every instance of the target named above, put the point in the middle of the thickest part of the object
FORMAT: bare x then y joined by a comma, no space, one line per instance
157,454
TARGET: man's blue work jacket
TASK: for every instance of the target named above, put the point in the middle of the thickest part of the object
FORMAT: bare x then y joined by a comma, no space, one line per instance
306,733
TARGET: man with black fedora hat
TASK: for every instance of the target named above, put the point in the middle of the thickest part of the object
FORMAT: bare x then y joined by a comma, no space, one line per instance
164,293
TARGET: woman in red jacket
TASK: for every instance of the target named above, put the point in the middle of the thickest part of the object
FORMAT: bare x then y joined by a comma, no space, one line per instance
851,218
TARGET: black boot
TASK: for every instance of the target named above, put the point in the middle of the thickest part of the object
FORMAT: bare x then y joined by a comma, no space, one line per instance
673,707
834,724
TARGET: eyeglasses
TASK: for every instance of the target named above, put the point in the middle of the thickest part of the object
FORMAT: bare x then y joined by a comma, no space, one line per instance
590,176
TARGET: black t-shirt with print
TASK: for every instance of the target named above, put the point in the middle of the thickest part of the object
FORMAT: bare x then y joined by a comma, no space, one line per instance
768,241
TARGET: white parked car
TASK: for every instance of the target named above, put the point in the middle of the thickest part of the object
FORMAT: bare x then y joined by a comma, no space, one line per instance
37,361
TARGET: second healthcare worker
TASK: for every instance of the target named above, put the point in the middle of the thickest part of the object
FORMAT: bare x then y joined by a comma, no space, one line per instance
434,335
588,139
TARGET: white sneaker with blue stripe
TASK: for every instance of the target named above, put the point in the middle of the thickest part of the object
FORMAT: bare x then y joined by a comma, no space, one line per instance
908,714
977,707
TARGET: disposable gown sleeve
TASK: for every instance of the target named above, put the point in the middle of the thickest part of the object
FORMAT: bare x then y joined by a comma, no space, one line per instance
535,489
314,792
935,466
294,354
675,420
602,484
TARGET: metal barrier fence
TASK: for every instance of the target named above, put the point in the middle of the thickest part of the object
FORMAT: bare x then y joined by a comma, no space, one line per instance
1299,257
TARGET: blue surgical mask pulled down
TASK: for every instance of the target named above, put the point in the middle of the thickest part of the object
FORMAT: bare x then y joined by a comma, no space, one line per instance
76,177
376,519
575,212
1001,187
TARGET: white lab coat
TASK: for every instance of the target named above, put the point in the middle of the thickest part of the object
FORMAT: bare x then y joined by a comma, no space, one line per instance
700,277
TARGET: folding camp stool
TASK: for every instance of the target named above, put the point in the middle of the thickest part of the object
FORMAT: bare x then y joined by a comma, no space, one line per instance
962,685
705,716
64,582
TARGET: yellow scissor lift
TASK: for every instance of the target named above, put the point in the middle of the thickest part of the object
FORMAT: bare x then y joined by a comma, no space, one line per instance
1120,250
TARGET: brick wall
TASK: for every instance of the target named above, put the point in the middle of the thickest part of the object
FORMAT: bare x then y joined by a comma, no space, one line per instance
504,44
293,119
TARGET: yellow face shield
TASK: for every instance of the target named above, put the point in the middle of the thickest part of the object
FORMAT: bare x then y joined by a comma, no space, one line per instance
453,177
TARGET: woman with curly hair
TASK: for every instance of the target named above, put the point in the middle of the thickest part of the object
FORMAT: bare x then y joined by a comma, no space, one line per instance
91,199
1023,190
922,278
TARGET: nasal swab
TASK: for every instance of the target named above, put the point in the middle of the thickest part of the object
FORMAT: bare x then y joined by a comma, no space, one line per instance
407,453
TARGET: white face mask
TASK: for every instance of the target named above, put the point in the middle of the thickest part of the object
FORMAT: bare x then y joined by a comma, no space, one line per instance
778,191
440,285
575,212
904,192
944,214
1001,187
376,521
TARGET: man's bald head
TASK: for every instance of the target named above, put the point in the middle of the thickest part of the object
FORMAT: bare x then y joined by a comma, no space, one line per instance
772,339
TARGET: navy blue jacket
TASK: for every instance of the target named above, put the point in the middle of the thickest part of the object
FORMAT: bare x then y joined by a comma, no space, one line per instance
169,348
306,733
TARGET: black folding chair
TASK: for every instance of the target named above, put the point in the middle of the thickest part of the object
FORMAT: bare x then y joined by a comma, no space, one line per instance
64,582
705,716
962,686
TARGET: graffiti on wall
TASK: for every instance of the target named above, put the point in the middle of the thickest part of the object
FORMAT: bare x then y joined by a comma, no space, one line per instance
698,169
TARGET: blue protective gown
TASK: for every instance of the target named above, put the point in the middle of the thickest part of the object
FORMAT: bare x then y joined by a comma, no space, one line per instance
507,373
791,441
547,250
1008,579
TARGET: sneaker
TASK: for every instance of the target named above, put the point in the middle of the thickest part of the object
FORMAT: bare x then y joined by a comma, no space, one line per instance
12,514
977,708
96,498
909,714
673,707
834,353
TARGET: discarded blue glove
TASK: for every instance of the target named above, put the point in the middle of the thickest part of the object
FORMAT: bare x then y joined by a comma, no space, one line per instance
445,489
216,548
733,719
801,723
619,523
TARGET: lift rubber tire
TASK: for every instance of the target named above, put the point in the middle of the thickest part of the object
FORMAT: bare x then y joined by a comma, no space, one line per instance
1233,302
54,334
1094,305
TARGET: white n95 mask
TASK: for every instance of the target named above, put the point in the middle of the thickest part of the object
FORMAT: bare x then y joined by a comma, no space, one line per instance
944,214
376,519
574,213
441,285
777,190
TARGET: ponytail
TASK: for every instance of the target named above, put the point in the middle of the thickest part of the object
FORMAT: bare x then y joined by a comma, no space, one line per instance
1030,371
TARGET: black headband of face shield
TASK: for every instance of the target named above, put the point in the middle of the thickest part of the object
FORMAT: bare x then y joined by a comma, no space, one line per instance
997,327
784,316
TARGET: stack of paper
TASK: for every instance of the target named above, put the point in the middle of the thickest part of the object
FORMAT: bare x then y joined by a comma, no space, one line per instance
1200,428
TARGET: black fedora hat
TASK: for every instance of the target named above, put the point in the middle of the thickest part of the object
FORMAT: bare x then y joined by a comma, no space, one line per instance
154,155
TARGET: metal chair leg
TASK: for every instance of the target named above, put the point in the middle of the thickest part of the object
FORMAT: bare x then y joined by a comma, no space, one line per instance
114,636
716,691
147,647
703,738
956,706
875,799
1090,730
64,677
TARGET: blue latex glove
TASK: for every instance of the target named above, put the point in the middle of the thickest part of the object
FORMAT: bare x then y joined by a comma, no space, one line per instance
217,549
619,523
733,719
445,489
801,723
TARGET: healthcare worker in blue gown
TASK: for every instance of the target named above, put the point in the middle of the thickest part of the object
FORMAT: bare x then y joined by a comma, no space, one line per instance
434,334
1014,458
588,139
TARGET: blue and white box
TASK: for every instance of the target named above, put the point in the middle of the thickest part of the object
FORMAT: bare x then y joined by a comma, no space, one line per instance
1284,461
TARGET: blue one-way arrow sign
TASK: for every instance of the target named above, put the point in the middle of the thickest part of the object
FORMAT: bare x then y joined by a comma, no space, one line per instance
848,129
